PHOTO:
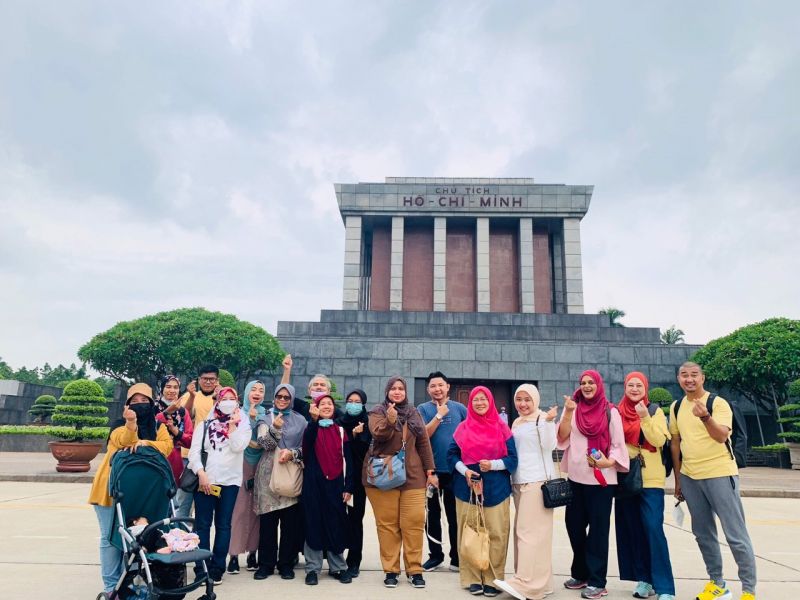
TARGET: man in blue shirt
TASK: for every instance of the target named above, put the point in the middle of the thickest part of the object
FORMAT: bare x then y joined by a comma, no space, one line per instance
441,419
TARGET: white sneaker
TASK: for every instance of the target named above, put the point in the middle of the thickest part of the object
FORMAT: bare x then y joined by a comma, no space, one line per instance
506,587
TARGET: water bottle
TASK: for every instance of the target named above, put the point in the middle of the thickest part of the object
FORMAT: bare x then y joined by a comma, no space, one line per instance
595,453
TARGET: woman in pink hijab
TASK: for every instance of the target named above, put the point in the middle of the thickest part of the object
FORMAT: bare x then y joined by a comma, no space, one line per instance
482,456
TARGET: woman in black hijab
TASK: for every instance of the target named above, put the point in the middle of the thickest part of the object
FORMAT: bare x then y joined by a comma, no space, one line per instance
354,420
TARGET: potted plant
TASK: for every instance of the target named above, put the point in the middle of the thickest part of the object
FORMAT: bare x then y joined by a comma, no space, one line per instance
80,408
42,408
662,397
790,418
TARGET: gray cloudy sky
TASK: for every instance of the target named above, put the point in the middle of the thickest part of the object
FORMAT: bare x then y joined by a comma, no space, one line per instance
168,154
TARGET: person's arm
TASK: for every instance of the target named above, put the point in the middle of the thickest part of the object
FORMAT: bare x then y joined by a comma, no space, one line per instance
509,461
380,428
349,467
287,369
675,450
718,428
241,436
655,428
547,435
618,451
565,425
123,436
423,445
195,462
185,440
163,442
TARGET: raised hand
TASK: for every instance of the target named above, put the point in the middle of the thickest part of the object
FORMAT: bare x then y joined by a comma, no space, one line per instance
641,410
569,404
358,428
442,409
287,362
192,387
129,415
699,409
313,410
277,422
391,413
551,414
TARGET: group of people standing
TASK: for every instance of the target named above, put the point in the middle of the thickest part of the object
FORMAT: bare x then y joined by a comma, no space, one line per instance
294,477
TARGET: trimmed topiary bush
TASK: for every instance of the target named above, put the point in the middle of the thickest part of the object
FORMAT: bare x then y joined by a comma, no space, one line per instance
660,396
42,408
82,405
226,379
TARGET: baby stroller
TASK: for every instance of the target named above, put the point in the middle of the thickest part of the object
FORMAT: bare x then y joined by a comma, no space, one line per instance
142,485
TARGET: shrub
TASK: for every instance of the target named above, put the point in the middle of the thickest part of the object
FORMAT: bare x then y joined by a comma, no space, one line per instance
42,408
81,406
660,396
770,448
65,433
791,420
226,379
794,389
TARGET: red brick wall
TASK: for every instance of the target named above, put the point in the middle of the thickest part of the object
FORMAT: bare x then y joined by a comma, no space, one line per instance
418,265
542,272
381,267
460,267
504,267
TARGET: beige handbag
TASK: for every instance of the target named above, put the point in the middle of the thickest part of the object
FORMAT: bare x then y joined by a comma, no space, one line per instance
474,546
287,478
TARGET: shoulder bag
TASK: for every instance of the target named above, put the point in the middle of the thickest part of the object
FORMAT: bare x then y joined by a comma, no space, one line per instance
474,545
388,471
287,478
555,492
189,480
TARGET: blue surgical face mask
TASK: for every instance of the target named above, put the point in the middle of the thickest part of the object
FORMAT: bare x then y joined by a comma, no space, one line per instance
325,422
354,408
284,412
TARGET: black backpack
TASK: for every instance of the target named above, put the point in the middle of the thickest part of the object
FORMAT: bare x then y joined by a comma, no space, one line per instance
737,441
666,454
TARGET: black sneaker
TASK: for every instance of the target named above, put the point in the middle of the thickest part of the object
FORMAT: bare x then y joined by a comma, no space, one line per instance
263,572
335,574
391,580
252,562
345,577
490,591
233,565
416,581
476,589
311,578
217,579
432,563
354,572
286,573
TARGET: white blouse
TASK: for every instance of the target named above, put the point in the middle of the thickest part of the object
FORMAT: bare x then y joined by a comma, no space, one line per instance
224,464
532,465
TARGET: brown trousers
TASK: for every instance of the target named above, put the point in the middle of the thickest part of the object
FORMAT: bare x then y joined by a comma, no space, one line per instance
533,542
400,520
498,525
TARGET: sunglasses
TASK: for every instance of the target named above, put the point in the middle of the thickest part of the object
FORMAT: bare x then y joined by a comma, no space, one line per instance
282,397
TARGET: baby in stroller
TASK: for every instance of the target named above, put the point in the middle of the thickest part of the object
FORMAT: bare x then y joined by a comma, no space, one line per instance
174,540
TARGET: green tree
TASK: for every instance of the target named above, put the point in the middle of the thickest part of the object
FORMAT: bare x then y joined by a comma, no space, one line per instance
26,375
180,342
6,372
81,405
226,379
673,335
758,361
614,315
42,408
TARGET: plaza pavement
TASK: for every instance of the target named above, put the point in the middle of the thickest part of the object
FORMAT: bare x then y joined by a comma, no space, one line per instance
48,549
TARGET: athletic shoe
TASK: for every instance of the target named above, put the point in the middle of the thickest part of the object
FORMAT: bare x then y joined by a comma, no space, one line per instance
747,596
354,572
233,565
666,597
263,572
217,579
643,590
490,591
592,592
454,566
391,580
714,592
574,584
311,578
476,589
345,577
508,589
417,581
252,563
286,573
432,563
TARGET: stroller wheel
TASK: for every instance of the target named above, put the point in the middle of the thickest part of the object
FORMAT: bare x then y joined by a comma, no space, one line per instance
103,596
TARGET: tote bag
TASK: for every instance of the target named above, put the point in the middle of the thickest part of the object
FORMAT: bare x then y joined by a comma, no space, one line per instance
286,479
474,546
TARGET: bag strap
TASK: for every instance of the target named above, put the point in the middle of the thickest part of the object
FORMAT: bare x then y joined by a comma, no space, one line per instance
541,450
427,520
203,451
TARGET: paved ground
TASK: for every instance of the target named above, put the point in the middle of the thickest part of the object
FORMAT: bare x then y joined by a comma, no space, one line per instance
49,550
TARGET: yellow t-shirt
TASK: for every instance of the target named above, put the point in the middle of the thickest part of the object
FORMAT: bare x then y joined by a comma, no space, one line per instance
202,406
702,456
655,431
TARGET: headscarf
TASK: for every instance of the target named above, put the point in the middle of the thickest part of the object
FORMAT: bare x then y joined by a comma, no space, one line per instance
631,423
218,422
251,455
294,424
328,447
533,392
175,417
145,416
406,413
482,436
349,421
590,416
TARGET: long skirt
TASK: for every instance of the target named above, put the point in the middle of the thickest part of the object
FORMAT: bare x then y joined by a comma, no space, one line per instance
533,543
244,535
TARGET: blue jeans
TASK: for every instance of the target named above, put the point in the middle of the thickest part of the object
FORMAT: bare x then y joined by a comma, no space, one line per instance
110,557
642,551
220,510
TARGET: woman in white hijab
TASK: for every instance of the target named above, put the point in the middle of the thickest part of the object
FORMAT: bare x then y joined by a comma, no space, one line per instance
535,438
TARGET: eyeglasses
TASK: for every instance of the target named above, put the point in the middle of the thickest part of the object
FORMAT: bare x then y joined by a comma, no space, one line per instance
282,397
208,379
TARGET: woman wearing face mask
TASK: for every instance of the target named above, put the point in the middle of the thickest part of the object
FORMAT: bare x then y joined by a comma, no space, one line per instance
135,429
354,420
177,421
244,529
535,438
327,487
224,436
279,431
642,551
482,456
590,433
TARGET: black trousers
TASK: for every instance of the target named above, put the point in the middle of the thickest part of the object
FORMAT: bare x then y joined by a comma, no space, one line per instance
292,536
355,526
435,519
590,509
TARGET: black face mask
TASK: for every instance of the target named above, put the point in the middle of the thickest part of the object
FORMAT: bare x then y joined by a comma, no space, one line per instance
145,420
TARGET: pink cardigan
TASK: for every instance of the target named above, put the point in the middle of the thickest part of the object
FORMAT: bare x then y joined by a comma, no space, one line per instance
576,446
185,441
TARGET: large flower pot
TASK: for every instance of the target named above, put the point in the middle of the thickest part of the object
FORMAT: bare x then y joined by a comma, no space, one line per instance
794,454
74,457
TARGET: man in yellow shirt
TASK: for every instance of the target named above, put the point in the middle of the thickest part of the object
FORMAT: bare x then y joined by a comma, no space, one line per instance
706,476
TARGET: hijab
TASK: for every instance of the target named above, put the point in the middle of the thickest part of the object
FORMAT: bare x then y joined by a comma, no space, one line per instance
590,416
349,421
406,413
294,424
533,392
251,455
219,422
631,423
482,436
146,423
328,447
175,417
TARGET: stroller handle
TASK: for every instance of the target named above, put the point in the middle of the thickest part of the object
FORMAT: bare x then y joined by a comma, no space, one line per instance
163,522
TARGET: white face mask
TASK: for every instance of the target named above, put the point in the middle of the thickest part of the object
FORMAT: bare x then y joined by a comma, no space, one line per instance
226,407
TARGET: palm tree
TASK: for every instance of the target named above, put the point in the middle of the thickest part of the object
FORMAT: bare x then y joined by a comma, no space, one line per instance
614,314
673,335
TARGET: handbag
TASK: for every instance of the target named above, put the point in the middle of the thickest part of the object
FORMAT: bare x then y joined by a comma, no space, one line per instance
189,481
630,484
286,479
474,545
388,471
558,491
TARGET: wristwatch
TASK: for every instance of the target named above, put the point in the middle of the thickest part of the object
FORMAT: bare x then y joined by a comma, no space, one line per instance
439,416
